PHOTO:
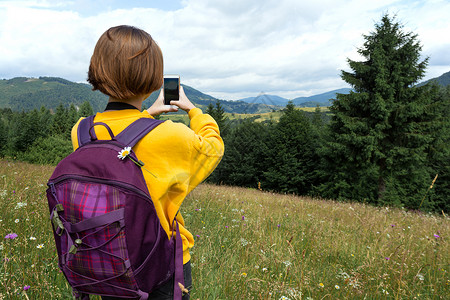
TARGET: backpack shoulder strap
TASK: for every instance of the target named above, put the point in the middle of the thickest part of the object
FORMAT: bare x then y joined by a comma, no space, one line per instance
83,130
137,130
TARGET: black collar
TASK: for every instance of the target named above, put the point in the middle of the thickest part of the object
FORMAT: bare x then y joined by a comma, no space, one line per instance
119,106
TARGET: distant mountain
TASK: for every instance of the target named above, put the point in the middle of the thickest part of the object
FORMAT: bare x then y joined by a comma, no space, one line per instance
321,99
311,101
442,80
267,99
22,93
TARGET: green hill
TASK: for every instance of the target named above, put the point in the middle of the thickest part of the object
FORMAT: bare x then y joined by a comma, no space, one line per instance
442,80
22,93
26,94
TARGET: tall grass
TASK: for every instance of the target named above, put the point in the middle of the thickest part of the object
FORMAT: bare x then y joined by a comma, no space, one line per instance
249,245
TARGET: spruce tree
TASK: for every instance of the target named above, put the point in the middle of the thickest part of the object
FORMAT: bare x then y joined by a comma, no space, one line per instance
243,163
3,136
291,158
210,109
379,130
85,109
60,123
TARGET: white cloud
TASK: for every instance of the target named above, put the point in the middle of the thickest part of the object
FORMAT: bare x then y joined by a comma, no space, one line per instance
229,49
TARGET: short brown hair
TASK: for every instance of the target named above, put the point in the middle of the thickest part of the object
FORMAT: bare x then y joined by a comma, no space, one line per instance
126,62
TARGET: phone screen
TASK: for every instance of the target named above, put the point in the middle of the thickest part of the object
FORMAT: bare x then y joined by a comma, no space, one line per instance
171,89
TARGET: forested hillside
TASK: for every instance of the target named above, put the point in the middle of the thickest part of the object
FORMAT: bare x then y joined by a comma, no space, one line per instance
26,94
387,142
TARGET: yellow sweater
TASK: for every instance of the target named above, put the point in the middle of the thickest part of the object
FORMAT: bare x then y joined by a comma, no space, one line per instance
178,157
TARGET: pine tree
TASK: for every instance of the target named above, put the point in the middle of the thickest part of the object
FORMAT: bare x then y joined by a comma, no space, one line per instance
85,109
291,161
3,136
218,114
60,123
243,163
210,110
379,130
437,198
45,122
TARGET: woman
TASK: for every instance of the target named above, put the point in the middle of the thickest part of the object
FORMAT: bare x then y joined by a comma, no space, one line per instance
127,66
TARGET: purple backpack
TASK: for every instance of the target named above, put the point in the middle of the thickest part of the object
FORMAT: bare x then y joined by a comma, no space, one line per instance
108,236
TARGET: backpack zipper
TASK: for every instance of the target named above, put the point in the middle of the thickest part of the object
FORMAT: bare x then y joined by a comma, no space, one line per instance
96,180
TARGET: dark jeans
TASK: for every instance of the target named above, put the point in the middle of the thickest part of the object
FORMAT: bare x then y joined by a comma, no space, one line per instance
165,292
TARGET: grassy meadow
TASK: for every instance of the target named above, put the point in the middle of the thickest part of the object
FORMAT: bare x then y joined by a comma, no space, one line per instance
275,116
249,245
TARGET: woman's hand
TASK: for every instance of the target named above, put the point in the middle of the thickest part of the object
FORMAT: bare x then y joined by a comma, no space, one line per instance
159,107
184,103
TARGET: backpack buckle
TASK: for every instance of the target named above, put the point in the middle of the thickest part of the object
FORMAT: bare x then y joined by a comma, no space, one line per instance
73,249
56,221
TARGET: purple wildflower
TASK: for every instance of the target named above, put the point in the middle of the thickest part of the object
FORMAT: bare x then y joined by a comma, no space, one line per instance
436,236
26,288
11,236
279,225
387,258
243,218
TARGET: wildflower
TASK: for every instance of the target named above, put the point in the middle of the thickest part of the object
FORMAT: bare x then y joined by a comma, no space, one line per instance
264,269
40,246
385,292
124,152
353,255
26,288
243,218
387,258
20,205
244,274
392,225
321,285
16,221
336,287
32,238
11,236
279,225
244,242
226,226
420,277
287,263
284,298
436,236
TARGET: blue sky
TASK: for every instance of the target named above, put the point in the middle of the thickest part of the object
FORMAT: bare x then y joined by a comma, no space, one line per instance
229,49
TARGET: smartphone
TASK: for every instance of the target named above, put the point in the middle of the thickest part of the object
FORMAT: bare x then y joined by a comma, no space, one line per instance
171,88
